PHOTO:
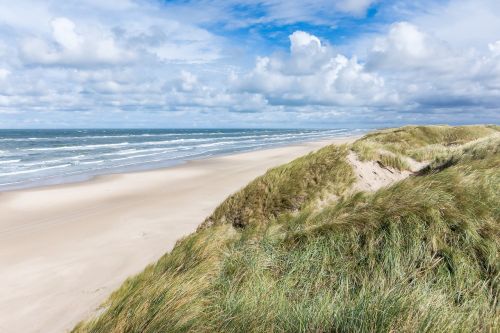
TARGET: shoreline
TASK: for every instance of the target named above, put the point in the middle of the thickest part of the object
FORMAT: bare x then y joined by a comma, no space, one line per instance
81,178
67,246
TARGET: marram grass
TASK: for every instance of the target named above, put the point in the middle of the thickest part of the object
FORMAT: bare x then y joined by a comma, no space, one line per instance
419,256
421,143
288,188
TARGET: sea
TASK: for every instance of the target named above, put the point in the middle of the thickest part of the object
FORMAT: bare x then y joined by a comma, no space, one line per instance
37,157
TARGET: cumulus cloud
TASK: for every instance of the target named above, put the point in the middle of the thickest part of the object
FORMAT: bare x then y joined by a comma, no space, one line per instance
307,54
69,47
462,23
431,75
406,46
313,73
495,48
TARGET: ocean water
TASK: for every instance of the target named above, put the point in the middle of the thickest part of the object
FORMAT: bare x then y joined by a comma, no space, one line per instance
30,158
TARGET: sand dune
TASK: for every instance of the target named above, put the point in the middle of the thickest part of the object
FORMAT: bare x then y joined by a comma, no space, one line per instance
65,248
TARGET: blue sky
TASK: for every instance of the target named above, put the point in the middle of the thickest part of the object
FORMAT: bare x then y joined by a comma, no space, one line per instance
265,63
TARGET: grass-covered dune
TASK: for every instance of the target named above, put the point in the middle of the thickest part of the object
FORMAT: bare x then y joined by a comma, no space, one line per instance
420,143
420,255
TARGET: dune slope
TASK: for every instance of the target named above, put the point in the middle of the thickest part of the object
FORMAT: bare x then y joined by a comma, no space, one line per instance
419,255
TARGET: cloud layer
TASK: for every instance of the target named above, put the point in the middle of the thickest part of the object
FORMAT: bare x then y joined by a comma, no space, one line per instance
244,63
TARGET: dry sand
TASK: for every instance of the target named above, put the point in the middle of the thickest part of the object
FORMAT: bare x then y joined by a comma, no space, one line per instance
64,248
372,175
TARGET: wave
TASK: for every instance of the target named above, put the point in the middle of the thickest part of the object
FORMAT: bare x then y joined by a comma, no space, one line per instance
84,147
10,183
9,161
139,151
34,170
120,144
74,159
110,136
122,152
92,162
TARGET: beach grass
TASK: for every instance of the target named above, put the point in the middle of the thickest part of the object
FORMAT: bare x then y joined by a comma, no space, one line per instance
421,255
421,143
288,188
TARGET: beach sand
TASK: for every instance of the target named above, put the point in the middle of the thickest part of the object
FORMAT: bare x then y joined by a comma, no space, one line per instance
65,248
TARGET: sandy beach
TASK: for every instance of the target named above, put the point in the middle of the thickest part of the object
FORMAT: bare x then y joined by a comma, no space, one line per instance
64,248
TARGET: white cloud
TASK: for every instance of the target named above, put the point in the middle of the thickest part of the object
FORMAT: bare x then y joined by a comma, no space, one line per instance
112,5
356,7
407,46
188,81
315,74
495,47
64,33
406,40
4,73
301,41
432,75
189,53
69,47
461,23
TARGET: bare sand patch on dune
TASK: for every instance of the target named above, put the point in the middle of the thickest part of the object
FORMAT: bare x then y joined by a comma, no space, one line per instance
373,175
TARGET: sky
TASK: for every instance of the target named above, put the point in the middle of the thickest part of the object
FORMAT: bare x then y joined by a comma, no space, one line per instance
262,63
